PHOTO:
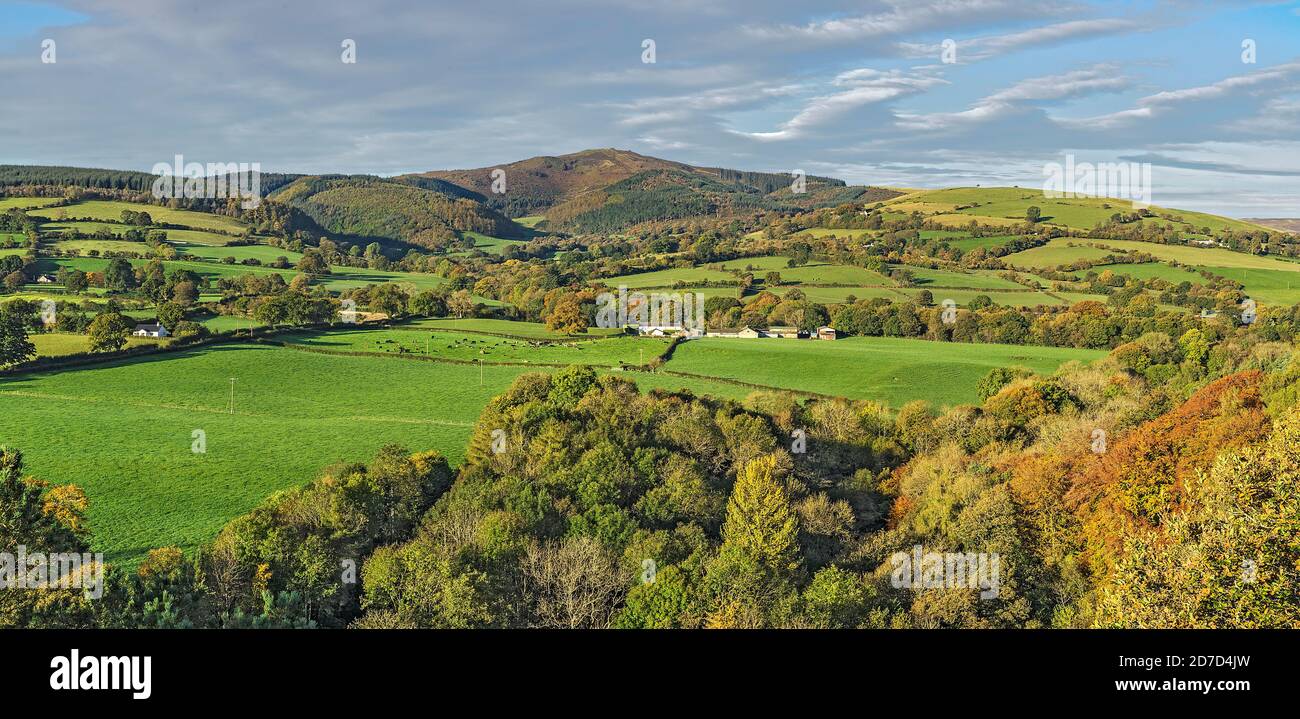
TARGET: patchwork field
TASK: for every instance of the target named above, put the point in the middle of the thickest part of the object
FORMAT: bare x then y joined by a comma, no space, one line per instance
55,344
112,210
294,412
669,277
887,369
1057,252
1003,205
608,352
950,278
526,330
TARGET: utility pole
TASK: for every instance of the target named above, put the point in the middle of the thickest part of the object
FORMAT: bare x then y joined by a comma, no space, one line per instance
232,395
480,371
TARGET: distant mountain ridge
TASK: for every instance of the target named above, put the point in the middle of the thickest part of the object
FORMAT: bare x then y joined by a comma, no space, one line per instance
1286,224
560,186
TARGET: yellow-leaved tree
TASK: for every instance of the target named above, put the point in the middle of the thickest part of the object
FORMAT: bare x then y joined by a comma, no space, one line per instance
751,578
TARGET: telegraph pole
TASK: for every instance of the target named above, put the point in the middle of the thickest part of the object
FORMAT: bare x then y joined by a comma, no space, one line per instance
480,371
232,395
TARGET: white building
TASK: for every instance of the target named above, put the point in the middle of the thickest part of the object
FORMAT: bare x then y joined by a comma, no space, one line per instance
156,330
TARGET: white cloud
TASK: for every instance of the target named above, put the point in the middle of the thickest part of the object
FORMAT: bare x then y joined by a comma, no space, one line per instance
865,87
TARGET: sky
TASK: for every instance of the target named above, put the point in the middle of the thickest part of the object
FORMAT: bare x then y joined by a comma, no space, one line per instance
902,93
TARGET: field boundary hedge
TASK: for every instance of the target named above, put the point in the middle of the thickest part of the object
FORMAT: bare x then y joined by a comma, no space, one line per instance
59,362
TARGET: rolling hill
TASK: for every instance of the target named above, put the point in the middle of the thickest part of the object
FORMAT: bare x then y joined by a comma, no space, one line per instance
424,214
578,189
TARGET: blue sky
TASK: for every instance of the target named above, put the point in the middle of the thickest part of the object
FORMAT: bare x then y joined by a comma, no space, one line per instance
857,90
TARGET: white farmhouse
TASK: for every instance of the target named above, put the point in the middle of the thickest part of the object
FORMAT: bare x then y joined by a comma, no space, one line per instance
155,330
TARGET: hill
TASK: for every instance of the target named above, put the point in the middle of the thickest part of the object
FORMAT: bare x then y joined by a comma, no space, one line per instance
957,206
1286,224
565,187
425,213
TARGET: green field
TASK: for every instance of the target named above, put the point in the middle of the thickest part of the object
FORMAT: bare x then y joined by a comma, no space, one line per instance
123,431
112,210
197,237
58,343
927,278
265,253
1004,205
1014,298
1057,252
667,278
24,203
226,323
888,369
966,244
838,295
813,273
527,330
608,352
487,243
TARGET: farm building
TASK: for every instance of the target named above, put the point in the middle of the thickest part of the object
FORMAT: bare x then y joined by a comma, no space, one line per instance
785,332
745,332
156,330
46,279
826,333
668,331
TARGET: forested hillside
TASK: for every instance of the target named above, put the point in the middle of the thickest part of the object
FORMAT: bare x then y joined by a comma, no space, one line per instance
373,207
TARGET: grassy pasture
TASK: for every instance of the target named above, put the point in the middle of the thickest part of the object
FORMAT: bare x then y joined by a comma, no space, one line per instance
526,330
1001,205
112,210
1273,287
1209,256
887,369
669,277
264,253
58,343
831,232
197,237
488,243
838,295
1015,298
462,346
25,203
966,244
123,431
1057,252
927,278
820,274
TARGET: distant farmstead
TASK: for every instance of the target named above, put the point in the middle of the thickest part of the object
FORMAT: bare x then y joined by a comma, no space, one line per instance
826,333
668,331
748,332
46,279
156,330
